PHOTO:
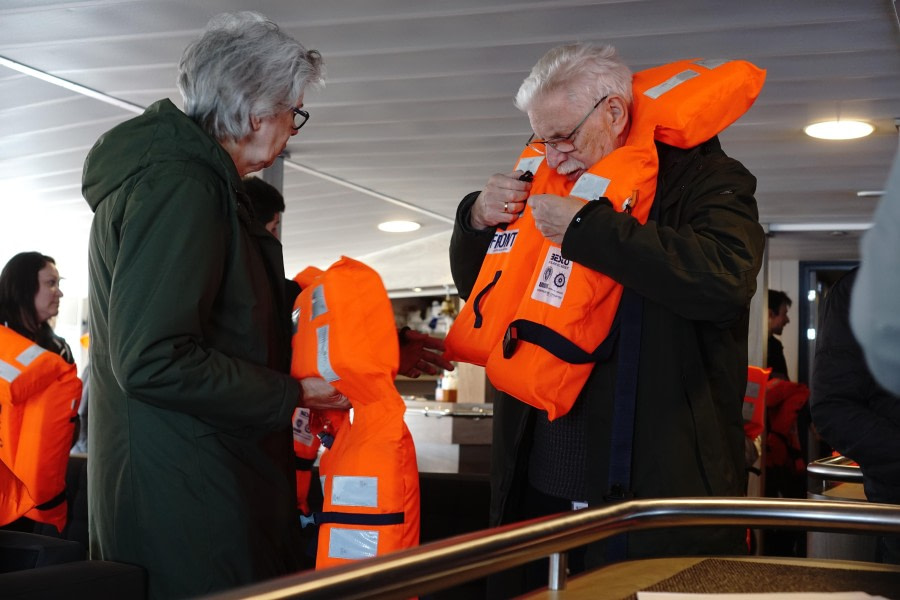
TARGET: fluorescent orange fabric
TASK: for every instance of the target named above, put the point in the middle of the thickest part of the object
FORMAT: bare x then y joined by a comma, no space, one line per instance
572,300
683,104
501,281
14,498
755,401
690,101
346,335
39,397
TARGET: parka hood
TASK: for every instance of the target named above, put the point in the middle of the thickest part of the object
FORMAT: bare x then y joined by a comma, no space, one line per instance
162,133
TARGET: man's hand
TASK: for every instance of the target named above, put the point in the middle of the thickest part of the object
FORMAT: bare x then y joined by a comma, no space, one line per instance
319,394
552,214
420,353
501,201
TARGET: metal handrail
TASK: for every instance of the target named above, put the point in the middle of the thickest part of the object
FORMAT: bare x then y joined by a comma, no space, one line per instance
449,562
835,468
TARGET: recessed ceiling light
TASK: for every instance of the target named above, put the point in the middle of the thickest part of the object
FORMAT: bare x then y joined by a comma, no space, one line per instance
398,226
839,130
870,193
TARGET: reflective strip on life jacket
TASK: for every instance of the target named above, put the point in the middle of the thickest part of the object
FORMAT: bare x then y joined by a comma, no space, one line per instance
39,397
754,408
346,333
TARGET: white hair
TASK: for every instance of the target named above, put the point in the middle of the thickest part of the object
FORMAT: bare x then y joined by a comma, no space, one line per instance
242,65
586,72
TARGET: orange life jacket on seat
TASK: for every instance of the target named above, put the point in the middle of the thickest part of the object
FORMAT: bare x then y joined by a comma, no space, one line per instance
572,308
346,335
39,397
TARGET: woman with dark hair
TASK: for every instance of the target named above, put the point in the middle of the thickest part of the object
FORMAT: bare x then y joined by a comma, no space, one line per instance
29,298
41,408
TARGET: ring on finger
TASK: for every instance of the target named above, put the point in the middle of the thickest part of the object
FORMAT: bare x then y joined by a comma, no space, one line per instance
506,207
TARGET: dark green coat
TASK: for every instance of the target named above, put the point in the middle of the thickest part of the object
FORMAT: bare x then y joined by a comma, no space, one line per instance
696,270
190,459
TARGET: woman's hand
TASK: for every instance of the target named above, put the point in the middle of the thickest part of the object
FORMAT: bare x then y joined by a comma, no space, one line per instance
319,394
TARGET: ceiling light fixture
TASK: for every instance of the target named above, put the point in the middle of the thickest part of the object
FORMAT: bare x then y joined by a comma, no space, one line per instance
823,227
398,226
870,193
839,130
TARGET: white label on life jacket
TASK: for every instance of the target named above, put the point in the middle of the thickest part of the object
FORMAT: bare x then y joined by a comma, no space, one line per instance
352,544
673,81
590,186
8,372
503,241
529,164
550,287
300,421
29,354
323,358
354,491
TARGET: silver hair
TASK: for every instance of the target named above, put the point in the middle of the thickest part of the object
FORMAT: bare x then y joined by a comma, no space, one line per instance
587,72
243,65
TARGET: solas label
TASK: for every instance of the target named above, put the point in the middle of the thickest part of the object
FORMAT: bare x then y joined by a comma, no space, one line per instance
551,284
503,242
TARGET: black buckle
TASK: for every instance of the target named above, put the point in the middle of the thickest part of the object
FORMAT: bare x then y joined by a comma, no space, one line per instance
617,493
510,341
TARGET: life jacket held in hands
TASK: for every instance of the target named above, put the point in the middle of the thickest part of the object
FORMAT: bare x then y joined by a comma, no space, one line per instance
346,335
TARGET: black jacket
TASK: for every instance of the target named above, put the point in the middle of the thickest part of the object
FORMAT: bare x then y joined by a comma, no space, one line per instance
854,414
695,268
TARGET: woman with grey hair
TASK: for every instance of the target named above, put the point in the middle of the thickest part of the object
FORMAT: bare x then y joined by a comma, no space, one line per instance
191,469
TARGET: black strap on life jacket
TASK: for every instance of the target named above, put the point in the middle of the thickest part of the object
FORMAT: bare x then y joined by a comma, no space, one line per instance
523,330
343,518
303,464
53,502
476,307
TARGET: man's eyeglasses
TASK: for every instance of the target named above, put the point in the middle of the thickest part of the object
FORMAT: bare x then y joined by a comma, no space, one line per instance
566,143
300,117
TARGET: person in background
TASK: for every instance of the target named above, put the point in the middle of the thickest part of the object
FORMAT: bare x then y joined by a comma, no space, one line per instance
268,203
874,313
420,353
851,411
29,301
191,469
786,403
779,303
695,267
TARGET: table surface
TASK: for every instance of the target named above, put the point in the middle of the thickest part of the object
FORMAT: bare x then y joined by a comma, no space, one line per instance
623,580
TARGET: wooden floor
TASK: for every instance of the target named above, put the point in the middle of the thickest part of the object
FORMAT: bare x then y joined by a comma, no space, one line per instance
624,579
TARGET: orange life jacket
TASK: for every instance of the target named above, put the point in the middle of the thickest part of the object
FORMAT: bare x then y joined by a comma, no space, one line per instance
504,274
14,498
754,410
573,308
346,335
39,397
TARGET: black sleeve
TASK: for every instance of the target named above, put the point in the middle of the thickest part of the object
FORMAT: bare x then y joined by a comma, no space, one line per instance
848,407
467,247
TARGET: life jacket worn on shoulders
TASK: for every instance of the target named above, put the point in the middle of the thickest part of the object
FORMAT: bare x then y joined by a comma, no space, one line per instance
39,397
546,347
346,334
567,310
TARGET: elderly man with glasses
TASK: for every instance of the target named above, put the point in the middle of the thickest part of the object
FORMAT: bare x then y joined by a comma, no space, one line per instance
692,272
